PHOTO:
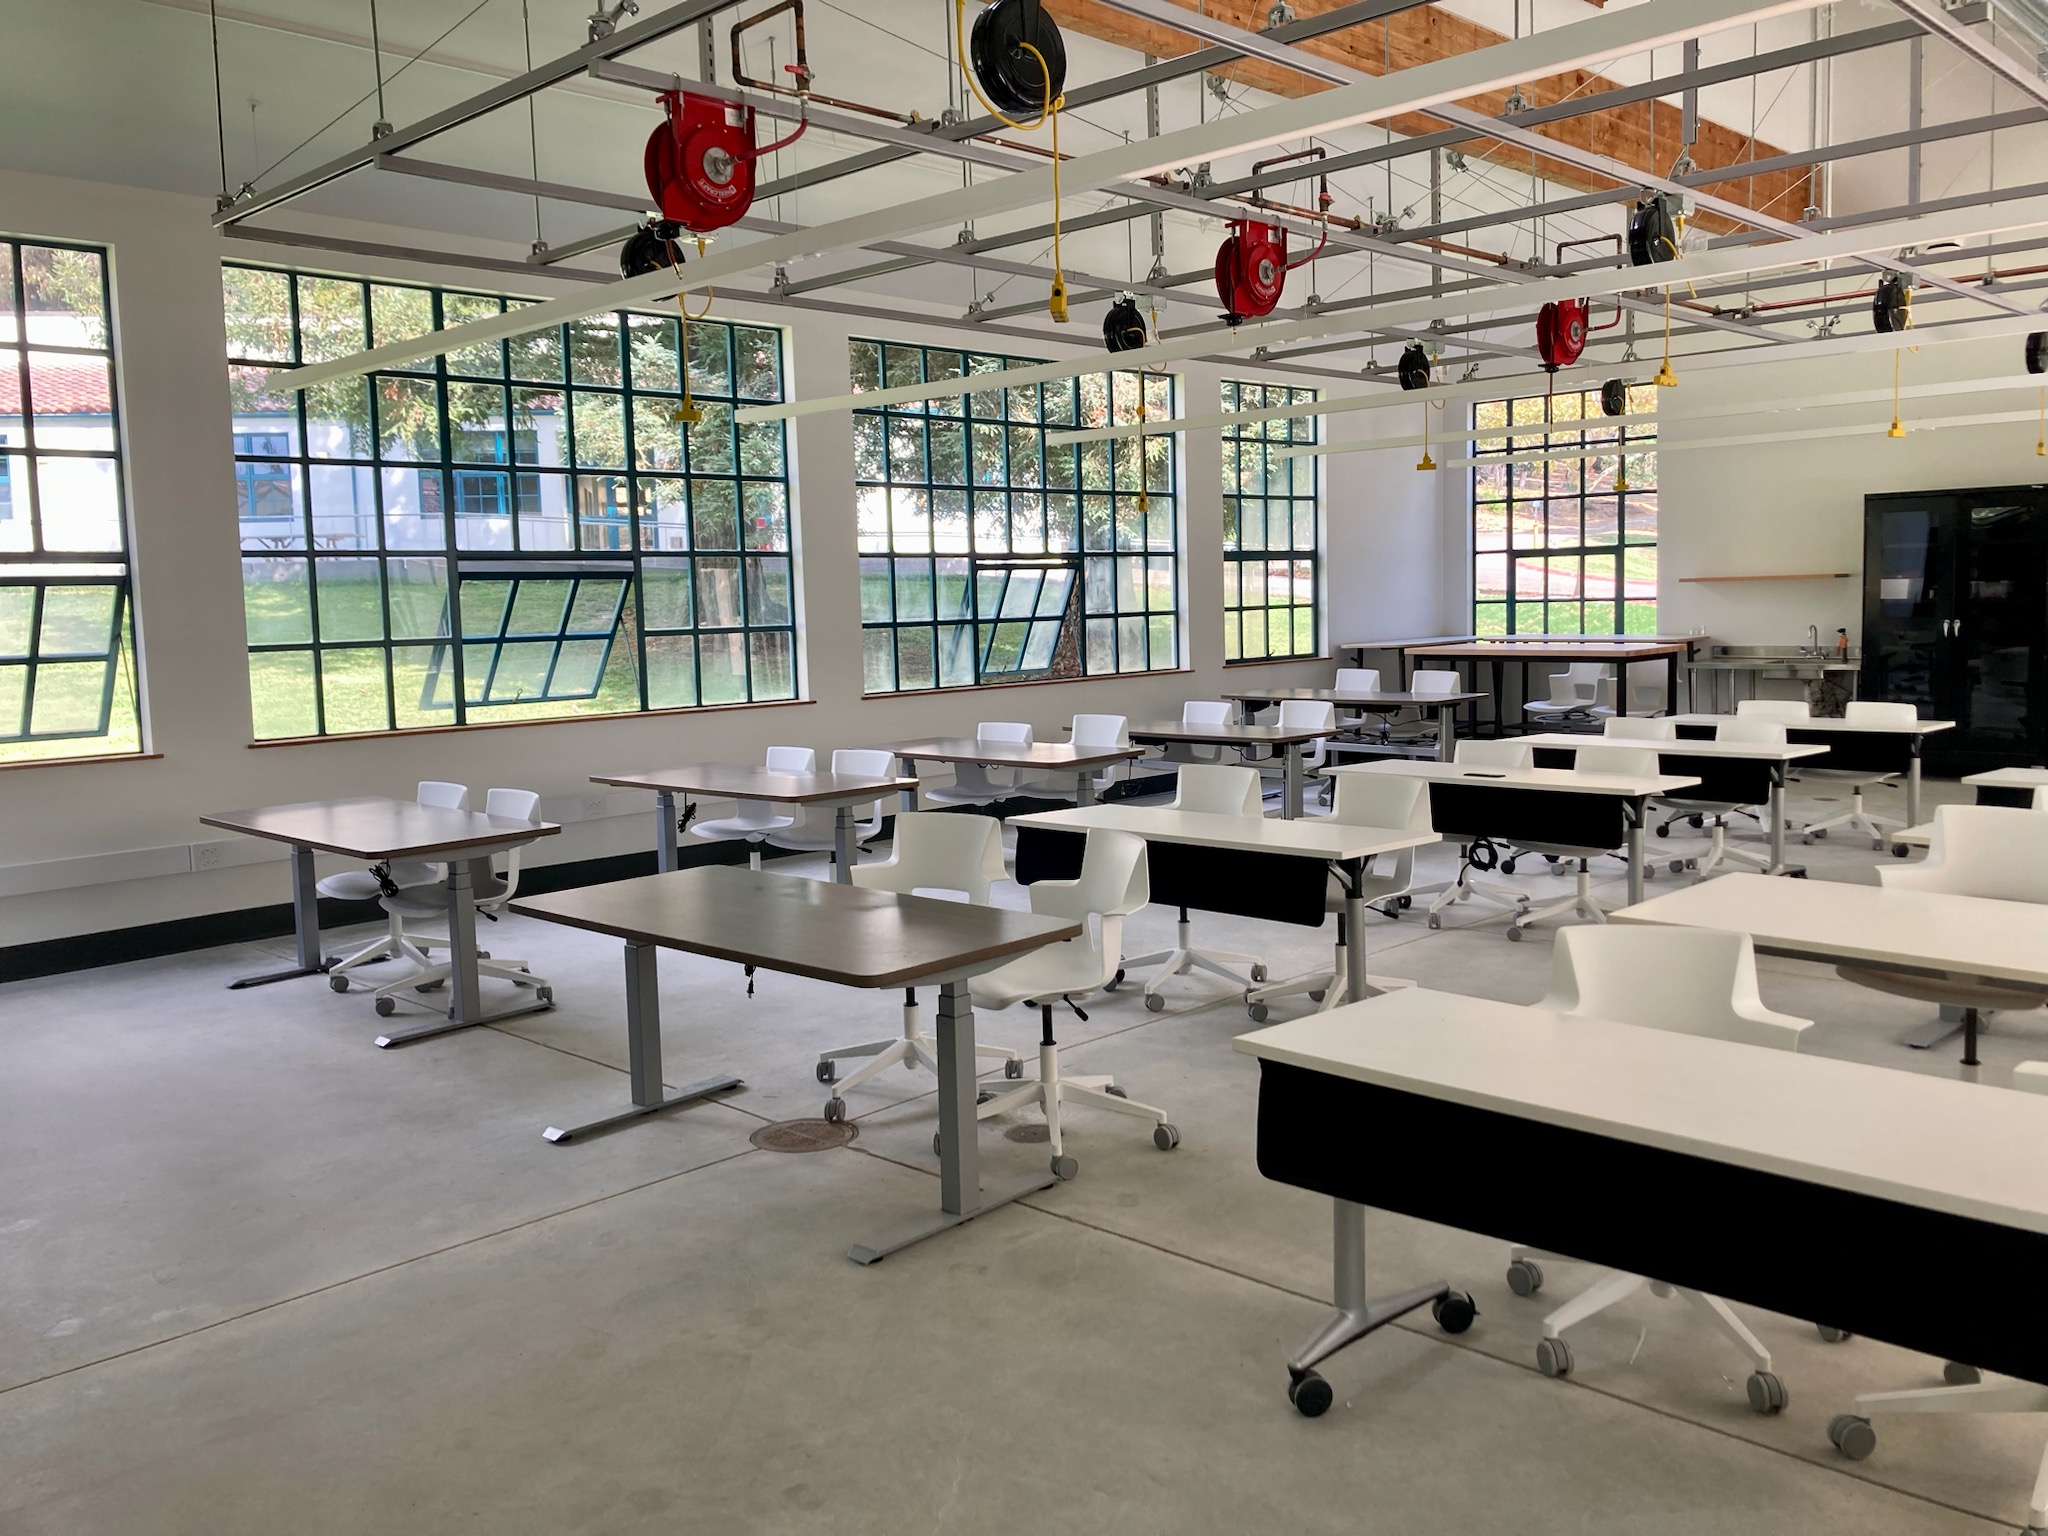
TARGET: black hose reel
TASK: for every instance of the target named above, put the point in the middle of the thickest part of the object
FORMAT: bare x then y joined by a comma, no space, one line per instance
650,248
1123,328
1652,231
1614,398
1413,369
1009,75
1891,307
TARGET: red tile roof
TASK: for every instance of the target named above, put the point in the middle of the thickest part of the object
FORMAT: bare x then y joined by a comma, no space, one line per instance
63,386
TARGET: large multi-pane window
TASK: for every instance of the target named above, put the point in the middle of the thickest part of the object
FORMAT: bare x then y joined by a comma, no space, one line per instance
524,529
987,556
1565,546
67,623
1272,529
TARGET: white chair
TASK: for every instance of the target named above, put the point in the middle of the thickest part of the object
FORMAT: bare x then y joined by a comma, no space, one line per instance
1422,727
1856,819
1089,731
1364,724
1691,981
1575,696
1966,1392
1481,754
1198,712
1638,728
1594,757
933,852
816,831
1712,815
1790,711
1362,800
977,783
373,884
1306,715
489,897
1112,884
1223,791
753,820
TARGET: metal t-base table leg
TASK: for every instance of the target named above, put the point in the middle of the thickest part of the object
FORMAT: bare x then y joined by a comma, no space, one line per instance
1775,809
305,924
664,831
643,1049
962,1196
1357,1314
1290,799
465,1000
842,844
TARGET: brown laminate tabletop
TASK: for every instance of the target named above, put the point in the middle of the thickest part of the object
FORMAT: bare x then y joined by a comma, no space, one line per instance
1356,700
1554,650
1008,754
839,933
744,781
373,828
1228,735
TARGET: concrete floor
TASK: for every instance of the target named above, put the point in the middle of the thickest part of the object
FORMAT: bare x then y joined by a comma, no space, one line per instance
259,1277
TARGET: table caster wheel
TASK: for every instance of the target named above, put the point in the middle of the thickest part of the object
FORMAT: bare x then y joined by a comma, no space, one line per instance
1664,831
1766,1392
1317,996
1436,920
1064,1168
429,986
1852,1435
1553,1357
1525,1277
1256,1011
1957,1374
386,1006
1310,1394
1166,1136
1259,973
935,1143
835,1109
828,1071
1514,934
1832,1335
544,994
1115,981
1013,1068
1900,850
337,983
1154,1003
1453,1312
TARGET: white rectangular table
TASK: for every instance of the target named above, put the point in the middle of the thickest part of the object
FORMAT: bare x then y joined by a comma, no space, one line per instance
1874,744
1876,1201
1288,741
839,792
1995,786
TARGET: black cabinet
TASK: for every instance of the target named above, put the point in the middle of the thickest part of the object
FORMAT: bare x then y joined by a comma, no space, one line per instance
1955,618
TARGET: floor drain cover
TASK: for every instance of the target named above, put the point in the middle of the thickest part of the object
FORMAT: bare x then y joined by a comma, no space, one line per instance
1029,1131
804,1135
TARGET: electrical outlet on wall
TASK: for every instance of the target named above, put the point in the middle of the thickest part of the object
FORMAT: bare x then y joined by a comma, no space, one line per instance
206,855
596,807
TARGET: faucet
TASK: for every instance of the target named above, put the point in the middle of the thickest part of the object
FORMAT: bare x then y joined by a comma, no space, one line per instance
1813,639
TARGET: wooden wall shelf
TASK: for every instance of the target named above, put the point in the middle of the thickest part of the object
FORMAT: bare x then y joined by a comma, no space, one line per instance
1788,576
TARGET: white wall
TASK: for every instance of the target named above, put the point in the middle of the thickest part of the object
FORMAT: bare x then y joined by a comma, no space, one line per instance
176,419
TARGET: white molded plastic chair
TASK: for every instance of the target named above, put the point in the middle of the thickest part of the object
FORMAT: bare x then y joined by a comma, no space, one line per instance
1789,710
1639,728
1112,884
366,885
1088,731
977,783
1575,695
1481,754
1594,757
813,831
1856,819
1199,712
1359,722
1691,981
1302,714
489,898
1362,800
1712,815
1223,791
1436,680
933,853
753,820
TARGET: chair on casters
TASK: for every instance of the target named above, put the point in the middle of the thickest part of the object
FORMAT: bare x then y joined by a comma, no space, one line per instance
816,832
977,783
1575,696
1638,728
490,898
1357,723
372,884
1112,884
1362,800
1594,757
1856,819
1219,791
1089,731
1692,981
934,851
1481,754
1966,1390
1713,814
1308,715
1427,680
753,820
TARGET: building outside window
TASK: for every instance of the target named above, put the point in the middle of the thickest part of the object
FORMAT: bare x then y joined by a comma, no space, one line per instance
67,614
518,530
1272,529
988,556
1561,546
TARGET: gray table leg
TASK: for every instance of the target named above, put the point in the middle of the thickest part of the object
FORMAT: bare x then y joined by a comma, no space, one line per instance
1357,1314
1912,789
664,830
643,1047
1446,731
1775,809
1084,787
842,844
906,769
465,1001
1248,711
1290,798
1637,812
305,926
962,1196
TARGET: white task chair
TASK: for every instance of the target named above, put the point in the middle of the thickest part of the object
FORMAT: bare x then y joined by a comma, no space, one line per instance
1690,981
489,897
1308,715
1199,712
1856,819
1089,731
933,853
1360,723
1426,680
1712,815
1362,800
814,831
1966,1392
1222,791
976,783
1790,711
1638,728
1112,884
1594,757
371,885
1481,754
1994,851
1575,696
753,820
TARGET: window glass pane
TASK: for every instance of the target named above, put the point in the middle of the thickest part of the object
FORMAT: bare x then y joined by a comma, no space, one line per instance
80,504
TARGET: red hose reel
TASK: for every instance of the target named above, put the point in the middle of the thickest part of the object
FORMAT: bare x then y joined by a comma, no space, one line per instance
1251,268
1561,333
700,162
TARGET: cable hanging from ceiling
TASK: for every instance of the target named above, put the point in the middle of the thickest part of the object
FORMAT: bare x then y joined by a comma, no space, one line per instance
1003,35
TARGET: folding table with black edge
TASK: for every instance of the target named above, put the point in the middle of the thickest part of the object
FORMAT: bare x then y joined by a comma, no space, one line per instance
1039,757
1618,653
1878,745
1446,706
1733,772
843,934
1241,866
376,830
1537,805
1887,1202
2010,787
741,781
1290,741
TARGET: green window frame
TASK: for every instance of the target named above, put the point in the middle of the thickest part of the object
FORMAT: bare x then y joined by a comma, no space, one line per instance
1557,546
1272,528
541,498
988,556
68,657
